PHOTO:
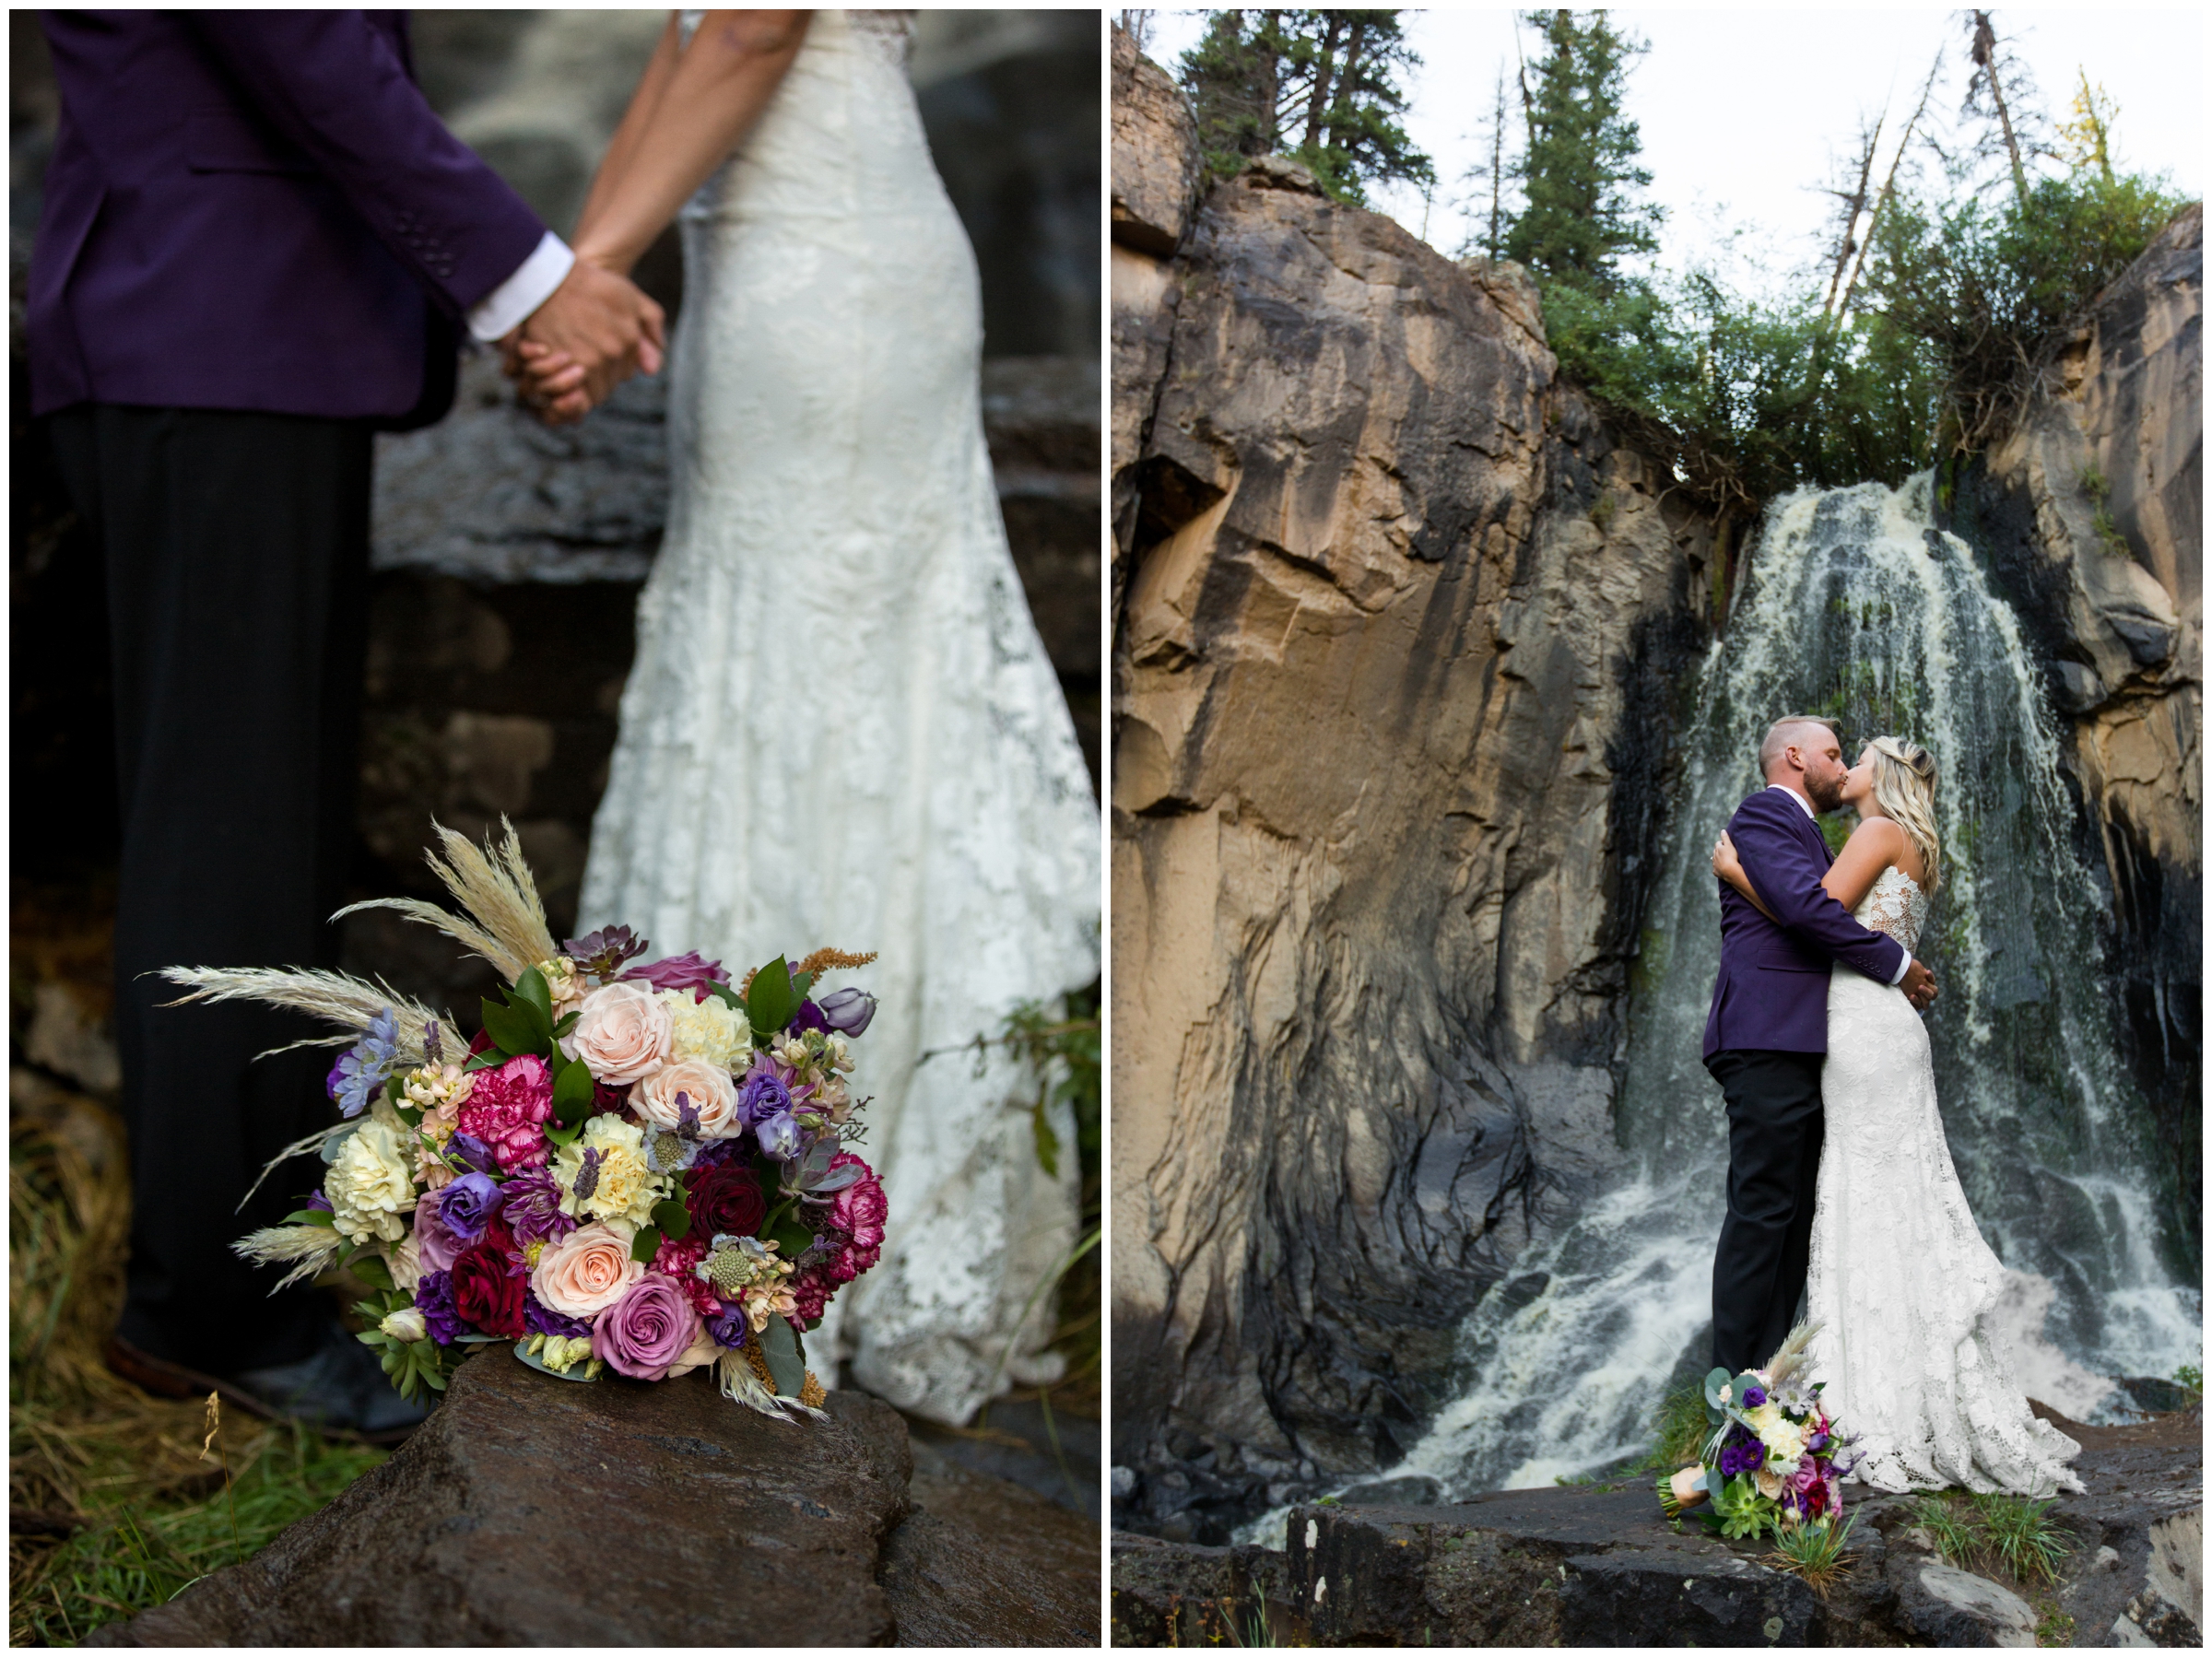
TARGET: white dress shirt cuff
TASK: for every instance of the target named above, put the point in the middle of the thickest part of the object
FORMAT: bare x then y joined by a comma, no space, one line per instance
503,310
1903,967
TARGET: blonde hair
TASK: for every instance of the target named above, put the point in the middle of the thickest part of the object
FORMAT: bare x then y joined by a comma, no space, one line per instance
1904,787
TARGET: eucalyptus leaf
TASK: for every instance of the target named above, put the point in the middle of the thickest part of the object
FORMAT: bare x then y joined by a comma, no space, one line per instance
786,1362
337,1142
574,1373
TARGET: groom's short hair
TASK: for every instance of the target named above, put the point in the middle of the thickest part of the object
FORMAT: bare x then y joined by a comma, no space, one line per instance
1781,733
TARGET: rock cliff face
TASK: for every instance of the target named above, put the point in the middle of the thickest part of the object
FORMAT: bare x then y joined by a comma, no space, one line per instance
1397,624
2092,515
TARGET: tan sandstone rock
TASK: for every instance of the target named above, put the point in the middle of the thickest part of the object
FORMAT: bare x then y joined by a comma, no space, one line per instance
1392,668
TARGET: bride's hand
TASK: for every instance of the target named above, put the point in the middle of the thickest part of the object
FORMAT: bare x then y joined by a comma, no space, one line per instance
548,381
1724,860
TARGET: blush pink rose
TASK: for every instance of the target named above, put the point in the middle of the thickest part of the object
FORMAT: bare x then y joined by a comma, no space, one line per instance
706,1085
623,1033
647,1329
586,1272
508,1108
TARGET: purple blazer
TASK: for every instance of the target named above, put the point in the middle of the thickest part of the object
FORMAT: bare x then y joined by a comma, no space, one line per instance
1773,988
257,210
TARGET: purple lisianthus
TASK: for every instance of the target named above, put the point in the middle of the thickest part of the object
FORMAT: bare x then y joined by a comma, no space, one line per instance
467,1204
690,970
809,1018
540,1319
434,1239
1754,1397
474,1152
779,1137
762,1094
533,1207
363,1068
728,1327
848,1011
1742,1456
434,1299
319,1204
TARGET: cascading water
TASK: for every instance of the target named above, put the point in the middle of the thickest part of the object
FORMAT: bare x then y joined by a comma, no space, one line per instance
1855,607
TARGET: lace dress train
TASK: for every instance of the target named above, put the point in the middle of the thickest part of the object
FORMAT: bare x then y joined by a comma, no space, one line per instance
1901,1280
841,728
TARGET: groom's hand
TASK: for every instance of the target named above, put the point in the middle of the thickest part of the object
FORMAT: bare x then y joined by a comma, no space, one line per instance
604,326
1919,986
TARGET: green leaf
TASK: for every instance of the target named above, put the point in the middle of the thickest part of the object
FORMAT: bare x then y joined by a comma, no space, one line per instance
786,1362
512,1027
371,1269
645,1245
672,1218
770,1002
530,990
1047,1142
311,1217
573,1094
568,1022
574,1372
792,1239
561,1136
410,1114
337,1142
396,1088
721,992
491,1059
800,984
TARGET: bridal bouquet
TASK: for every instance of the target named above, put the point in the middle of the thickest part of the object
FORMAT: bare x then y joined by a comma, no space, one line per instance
634,1166
1774,1458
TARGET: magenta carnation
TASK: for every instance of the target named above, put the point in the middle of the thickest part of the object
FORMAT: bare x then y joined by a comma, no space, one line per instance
647,1329
508,1108
848,1243
678,1262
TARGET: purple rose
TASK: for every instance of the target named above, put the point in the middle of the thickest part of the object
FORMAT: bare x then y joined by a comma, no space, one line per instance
647,1329
540,1319
467,1207
434,1299
848,1011
690,970
533,1208
435,1239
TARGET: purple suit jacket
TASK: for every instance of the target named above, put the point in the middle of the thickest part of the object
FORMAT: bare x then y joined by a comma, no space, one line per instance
1773,988
257,210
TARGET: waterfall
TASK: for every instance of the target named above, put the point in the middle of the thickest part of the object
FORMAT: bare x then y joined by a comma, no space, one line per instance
1857,607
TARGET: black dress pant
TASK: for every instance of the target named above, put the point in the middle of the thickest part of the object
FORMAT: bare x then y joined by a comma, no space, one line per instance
1775,1126
237,553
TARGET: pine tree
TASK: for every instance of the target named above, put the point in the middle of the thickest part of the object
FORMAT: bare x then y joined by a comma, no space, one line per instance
1319,86
1579,172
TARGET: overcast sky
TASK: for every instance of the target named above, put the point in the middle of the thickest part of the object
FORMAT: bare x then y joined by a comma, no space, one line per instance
1745,113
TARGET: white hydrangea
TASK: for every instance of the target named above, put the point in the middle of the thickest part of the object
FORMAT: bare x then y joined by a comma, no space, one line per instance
369,1186
710,1029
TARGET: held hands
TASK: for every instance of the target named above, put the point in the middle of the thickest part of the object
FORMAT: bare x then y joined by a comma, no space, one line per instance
1919,985
594,331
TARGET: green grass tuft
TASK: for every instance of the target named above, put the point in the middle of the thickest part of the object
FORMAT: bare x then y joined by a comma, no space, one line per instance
1818,1553
1678,1428
2022,1537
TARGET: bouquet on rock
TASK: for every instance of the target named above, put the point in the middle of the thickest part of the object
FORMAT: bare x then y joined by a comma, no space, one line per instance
1774,1459
634,1166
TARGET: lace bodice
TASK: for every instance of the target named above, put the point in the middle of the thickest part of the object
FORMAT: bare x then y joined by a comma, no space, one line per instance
1896,906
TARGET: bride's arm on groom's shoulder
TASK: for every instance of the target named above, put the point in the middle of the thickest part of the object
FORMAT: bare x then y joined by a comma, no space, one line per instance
1874,845
1789,875
1729,867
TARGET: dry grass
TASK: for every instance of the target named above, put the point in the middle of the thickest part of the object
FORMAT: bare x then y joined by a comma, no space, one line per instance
113,1505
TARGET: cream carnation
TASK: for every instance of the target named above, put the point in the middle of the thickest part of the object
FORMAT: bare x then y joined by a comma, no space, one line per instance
369,1186
622,1033
705,1084
621,1187
710,1029
586,1271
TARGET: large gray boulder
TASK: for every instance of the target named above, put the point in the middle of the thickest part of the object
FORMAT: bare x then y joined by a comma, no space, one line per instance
532,1511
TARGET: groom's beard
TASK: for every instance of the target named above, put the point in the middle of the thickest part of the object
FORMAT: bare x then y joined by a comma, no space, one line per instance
1825,796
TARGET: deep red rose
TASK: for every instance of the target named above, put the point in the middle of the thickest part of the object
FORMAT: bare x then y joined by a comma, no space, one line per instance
486,1292
480,1043
726,1199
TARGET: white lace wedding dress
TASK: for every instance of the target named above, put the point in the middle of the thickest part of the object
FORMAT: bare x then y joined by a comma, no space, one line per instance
1901,1281
841,728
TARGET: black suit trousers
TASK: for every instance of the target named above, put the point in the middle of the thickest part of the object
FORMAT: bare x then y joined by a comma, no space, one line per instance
236,553
1775,1126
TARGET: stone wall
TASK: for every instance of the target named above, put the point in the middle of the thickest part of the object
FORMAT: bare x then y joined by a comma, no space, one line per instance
2092,515
1397,625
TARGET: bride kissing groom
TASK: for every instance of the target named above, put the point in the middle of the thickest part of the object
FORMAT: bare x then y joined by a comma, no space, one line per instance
1841,1187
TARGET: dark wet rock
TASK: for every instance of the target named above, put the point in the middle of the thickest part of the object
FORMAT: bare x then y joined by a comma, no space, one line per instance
1599,1566
1411,1490
532,1510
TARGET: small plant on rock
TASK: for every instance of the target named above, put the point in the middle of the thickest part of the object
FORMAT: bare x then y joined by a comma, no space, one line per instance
2022,1537
1948,1529
1815,1552
2094,484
